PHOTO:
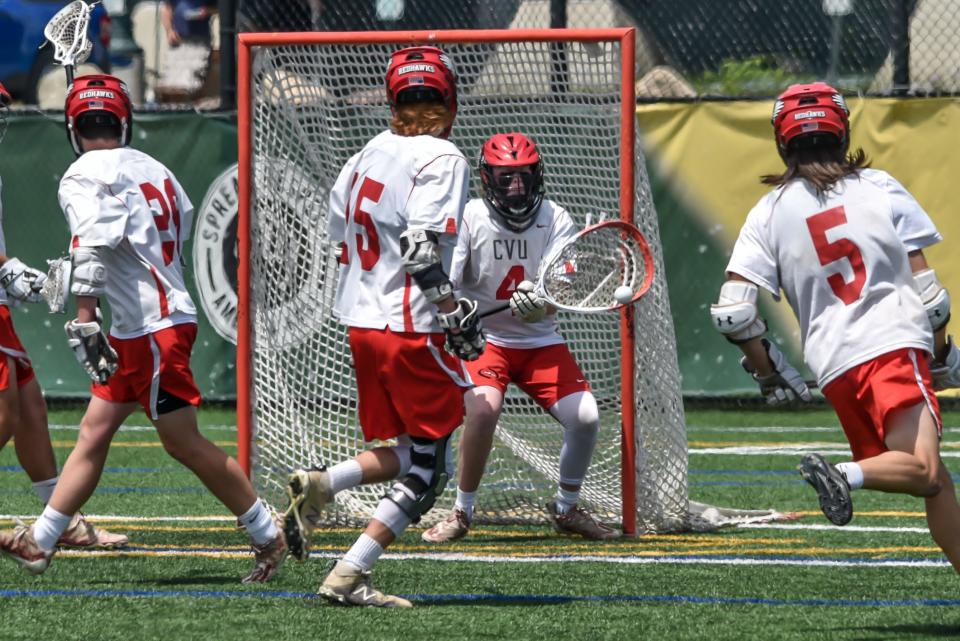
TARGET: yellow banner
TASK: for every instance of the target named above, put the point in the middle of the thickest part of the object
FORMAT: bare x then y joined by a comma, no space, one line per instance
712,154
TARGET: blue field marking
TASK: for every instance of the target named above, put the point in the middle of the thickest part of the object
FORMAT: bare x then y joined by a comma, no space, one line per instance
442,599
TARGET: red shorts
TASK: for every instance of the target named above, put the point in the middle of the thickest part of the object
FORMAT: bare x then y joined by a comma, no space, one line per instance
546,374
406,384
865,395
10,347
148,364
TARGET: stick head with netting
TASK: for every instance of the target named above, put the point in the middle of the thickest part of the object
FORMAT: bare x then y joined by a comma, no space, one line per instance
67,32
585,273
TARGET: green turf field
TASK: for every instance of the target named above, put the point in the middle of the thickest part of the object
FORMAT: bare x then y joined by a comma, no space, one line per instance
881,577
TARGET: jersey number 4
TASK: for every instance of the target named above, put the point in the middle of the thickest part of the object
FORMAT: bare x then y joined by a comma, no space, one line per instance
166,200
828,252
510,281
368,252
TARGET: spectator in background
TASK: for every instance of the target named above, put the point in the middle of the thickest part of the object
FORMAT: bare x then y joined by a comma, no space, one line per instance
185,64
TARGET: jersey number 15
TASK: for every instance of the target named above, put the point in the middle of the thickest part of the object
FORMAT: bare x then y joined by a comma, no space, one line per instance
368,252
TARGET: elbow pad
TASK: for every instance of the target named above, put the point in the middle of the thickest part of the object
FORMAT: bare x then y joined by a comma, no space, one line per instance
735,313
89,273
935,298
418,249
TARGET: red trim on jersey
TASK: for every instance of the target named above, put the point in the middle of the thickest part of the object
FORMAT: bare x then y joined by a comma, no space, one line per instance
414,181
407,312
451,226
161,293
75,242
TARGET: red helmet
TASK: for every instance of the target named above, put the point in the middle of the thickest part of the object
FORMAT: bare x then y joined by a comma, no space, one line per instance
4,101
810,115
517,203
98,99
421,74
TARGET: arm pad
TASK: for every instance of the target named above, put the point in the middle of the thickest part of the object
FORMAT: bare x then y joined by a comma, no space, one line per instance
935,297
418,248
89,273
735,312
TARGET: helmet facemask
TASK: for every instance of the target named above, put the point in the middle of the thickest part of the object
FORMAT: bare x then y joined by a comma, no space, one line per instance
515,193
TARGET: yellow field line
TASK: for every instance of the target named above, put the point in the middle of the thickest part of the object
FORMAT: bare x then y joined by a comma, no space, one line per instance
238,552
138,443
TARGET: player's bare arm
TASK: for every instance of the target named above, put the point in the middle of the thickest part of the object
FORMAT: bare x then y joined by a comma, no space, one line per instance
945,367
736,316
458,317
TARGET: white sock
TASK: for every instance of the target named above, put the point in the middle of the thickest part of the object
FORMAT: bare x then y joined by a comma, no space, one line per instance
44,489
566,499
363,554
465,502
259,523
346,475
49,526
853,473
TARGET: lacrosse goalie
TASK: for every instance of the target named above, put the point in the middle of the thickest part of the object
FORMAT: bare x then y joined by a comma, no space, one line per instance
504,237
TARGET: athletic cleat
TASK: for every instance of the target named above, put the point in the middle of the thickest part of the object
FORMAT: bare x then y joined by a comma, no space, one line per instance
832,489
579,521
309,491
355,589
81,533
454,527
267,559
19,545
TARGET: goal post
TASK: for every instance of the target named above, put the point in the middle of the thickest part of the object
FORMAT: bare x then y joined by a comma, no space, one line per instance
309,101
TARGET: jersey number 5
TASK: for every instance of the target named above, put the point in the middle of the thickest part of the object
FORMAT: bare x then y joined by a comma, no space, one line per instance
828,252
168,213
368,252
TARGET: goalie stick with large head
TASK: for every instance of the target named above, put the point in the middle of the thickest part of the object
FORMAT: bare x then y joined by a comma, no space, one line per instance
583,274
67,32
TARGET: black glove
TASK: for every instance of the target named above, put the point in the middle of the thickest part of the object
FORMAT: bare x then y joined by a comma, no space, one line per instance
462,326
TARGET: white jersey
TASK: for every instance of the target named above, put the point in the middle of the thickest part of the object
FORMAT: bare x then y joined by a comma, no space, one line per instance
395,183
3,248
491,259
841,260
131,205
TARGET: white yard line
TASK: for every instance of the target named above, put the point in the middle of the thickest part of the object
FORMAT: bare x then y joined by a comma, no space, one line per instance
827,449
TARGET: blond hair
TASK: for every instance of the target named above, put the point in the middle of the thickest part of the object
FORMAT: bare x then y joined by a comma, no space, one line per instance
421,118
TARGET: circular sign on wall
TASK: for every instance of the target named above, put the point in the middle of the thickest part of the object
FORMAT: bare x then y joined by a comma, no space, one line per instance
215,253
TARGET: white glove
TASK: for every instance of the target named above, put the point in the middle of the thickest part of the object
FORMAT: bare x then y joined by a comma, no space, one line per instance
946,374
526,305
22,283
92,350
784,385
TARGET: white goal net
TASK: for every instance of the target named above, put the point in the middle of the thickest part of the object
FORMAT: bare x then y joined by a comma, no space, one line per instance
312,105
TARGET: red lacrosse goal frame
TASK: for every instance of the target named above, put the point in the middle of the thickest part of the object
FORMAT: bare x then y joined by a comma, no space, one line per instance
626,37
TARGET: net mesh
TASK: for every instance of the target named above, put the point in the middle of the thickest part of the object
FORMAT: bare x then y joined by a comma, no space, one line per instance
314,106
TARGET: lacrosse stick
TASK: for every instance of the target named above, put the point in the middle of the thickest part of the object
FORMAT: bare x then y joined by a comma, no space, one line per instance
584,273
67,32
56,289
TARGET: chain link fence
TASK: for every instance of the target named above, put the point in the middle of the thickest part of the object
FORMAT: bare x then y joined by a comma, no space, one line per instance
724,48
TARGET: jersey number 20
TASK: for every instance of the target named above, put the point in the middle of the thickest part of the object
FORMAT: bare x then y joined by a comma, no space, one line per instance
829,252
167,200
